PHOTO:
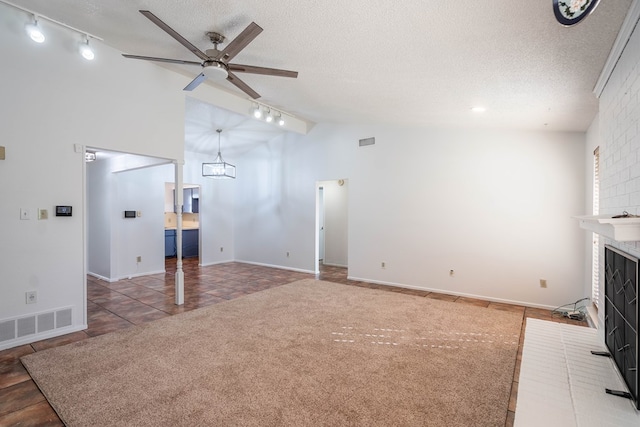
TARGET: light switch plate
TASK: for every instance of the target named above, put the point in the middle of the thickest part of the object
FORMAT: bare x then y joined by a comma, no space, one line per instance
43,214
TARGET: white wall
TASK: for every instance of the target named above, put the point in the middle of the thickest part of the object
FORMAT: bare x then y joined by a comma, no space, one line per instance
51,100
142,191
336,226
100,193
114,243
495,207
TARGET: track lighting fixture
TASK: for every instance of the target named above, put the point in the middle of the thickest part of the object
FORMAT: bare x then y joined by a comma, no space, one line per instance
267,113
86,51
34,31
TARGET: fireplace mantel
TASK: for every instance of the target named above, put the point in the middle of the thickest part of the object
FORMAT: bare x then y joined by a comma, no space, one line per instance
625,229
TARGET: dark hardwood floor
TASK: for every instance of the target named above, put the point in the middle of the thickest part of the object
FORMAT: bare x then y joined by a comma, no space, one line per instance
123,304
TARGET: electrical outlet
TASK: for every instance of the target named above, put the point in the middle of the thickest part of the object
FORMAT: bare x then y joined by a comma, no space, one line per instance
31,297
287,254
383,264
452,273
138,259
543,283
221,249
43,214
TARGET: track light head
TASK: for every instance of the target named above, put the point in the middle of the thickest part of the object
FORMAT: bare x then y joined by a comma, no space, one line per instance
86,51
35,32
269,117
257,112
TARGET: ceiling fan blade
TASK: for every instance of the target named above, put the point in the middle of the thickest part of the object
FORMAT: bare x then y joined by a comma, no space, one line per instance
153,18
240,42
151,58
242,86
238,68
195,82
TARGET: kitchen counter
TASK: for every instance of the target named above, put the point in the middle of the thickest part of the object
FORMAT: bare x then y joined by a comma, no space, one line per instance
184,227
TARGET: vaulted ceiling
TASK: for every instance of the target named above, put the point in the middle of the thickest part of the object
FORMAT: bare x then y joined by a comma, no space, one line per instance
413,62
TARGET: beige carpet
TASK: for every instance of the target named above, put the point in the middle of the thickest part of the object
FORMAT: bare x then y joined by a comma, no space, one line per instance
308,353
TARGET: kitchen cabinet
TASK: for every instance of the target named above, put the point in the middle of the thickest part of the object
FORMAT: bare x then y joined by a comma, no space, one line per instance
190,240
170,243
189,243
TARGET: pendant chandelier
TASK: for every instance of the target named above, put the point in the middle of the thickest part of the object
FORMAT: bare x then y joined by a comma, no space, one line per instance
219,169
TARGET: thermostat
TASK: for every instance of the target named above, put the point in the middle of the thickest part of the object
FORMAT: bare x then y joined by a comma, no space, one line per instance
63,210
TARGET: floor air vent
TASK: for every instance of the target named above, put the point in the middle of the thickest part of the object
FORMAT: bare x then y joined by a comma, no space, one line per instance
367,141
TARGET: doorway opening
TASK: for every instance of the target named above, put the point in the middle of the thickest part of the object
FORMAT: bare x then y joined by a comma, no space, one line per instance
332,224
191,236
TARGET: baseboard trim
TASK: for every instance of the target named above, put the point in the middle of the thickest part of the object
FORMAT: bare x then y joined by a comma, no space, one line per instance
208,264
459,294
281,267
330,264
100,277
146,273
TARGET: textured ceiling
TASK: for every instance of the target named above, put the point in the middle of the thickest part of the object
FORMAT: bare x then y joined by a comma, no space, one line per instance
384,61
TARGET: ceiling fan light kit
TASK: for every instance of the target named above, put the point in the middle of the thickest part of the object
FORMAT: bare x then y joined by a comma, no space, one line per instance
215,71
215,63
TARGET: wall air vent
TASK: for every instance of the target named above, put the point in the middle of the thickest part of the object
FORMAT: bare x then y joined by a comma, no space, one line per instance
26,326
32,325
46,322
367,141
63,318
8,330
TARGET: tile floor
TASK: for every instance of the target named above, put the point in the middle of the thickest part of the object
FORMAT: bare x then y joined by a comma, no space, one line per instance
122,304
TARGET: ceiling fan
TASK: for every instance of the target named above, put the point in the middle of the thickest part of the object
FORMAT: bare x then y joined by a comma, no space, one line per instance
215,63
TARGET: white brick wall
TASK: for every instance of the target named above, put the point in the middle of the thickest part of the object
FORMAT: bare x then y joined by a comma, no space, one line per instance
620,139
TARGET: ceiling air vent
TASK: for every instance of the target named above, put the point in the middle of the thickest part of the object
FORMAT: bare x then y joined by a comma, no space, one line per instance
367,141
